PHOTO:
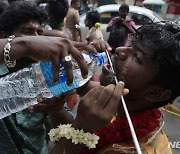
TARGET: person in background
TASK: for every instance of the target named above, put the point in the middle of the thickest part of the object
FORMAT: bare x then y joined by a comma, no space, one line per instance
30,129
92,22
29,46
57,11
72,21
150,68
120,27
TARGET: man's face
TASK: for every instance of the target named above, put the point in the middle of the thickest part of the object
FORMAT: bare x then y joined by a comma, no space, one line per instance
30,28
132,67
76,5
86,21
123,13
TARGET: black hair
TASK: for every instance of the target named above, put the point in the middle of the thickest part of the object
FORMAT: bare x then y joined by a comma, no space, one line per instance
161,44
93,17
74,1
3,6
124,7
58,9
19,12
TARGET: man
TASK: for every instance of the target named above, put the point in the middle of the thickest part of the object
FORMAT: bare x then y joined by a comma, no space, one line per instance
119,28
151,71
57,11
72,21
23,132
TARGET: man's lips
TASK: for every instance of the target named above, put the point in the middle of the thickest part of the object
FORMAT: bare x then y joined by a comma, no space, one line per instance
106,70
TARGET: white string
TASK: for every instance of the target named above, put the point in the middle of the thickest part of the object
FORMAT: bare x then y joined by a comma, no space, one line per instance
138,149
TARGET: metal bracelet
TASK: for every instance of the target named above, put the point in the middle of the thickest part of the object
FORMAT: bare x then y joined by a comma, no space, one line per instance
7,59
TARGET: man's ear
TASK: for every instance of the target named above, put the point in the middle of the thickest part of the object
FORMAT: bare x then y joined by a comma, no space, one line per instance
3,34
158,94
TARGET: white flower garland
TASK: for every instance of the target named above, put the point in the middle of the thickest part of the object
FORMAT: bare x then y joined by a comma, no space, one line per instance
77,136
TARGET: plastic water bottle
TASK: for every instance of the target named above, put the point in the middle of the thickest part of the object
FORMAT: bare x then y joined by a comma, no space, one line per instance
20,89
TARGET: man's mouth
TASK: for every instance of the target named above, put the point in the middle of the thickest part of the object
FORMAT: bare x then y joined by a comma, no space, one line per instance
106,69
107,76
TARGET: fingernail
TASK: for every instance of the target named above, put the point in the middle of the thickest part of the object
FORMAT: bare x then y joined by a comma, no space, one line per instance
109,49
85,76
69,84
31,109
121,82
40,100
54,81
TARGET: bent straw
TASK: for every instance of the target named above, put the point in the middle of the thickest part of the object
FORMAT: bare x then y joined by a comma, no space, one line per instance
138,149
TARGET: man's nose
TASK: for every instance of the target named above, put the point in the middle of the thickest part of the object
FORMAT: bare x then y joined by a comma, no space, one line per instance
121,52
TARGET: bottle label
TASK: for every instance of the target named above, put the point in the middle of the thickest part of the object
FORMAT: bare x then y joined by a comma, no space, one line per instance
60,86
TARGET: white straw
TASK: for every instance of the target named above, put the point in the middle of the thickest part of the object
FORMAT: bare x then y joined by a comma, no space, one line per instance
138,149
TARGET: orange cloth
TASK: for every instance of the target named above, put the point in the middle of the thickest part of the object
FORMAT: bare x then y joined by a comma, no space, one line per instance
159,145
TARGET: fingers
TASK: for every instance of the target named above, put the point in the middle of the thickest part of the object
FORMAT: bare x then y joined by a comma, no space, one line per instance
96,92
55,68
89,94
47,105
105,95
113,102
84,46
67,63
125,91
81,62
100,45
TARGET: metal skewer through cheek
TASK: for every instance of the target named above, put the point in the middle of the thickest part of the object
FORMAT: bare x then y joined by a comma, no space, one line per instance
138,149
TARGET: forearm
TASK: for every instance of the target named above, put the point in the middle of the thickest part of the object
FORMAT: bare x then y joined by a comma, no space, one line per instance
65,146
51,33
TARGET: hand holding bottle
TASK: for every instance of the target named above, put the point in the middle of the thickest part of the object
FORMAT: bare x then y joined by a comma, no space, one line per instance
41,48
97,108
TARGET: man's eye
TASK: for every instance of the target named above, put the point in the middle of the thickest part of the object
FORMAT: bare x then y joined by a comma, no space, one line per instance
26,32
136,58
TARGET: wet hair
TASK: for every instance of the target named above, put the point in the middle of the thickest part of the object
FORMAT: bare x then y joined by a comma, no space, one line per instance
19,12
124,7
161,44
58,9
93,17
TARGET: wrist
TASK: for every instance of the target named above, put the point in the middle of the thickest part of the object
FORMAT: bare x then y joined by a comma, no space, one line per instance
76,136
7,53
20,48
80,124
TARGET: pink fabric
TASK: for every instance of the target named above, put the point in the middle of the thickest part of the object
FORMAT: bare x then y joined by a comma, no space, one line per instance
131,23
